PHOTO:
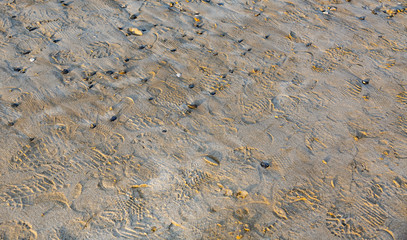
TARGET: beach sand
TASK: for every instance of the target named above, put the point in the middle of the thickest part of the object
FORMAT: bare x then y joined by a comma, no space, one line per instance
204,119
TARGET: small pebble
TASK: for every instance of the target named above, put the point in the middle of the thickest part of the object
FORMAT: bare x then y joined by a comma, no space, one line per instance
134,16
150,99
14,105
135,31
93,125
32,59
113,118
109,72
213,93
362,18
173,50
164,131
65,71
191,85
192,106
179,74
365,82
265,164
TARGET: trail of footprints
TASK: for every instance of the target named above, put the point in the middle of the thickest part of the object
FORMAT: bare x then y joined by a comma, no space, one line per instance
49,164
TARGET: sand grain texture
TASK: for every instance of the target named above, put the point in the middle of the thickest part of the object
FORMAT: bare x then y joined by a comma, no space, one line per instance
203,119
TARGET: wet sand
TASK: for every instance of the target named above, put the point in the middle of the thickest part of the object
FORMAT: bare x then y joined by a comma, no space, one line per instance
203,119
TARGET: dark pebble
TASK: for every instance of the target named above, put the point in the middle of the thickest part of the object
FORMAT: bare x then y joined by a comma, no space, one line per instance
93,125
265,164
213,93
308,44
113,118
127,59
142,47
31,28
17,69
240,41
15,105
134,16
173,50
56,40
109,72
65,71
164,131
365,82
362,18
150,99
191,85
266,37
32,139
249,49
221,4
91,86
27,52
11,124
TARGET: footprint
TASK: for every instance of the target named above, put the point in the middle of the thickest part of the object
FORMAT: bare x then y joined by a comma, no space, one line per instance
193,182
23,195
142,122
99,50
127,217
63,57
358,219
254,111
17,230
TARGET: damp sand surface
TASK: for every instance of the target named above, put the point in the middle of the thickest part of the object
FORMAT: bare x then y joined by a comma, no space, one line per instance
206,119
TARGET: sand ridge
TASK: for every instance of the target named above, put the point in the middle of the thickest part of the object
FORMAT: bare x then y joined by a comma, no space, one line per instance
203,119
